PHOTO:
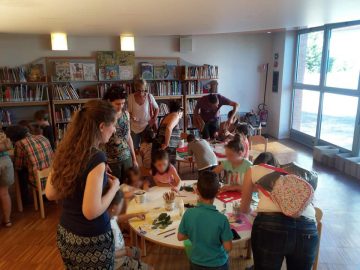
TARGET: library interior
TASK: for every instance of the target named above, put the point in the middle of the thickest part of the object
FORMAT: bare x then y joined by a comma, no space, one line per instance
167,135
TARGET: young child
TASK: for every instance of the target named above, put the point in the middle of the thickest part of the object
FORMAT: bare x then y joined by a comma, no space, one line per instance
208,230
133,182
235,166
126,258
163,172
42,119
145,149
243,131
228,127
201,150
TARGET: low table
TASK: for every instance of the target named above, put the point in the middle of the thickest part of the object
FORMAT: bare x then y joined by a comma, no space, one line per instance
154,206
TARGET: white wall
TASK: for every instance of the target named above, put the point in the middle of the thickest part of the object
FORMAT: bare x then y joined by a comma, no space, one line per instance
237,55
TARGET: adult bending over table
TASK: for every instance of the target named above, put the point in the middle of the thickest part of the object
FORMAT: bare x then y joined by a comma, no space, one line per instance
120,149
143,111
78,178
207,112
169,133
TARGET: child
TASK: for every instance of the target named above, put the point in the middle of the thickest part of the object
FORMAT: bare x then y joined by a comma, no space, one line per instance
163,172
235,166
208,230
126,258
228,128
204,155
145,149
42,119
243,131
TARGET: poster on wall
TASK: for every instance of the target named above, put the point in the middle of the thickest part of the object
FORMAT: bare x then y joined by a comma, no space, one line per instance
108,60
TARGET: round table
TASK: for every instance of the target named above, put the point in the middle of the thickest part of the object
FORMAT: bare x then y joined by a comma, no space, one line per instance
154,206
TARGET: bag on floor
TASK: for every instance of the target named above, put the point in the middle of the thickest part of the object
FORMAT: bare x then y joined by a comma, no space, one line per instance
289,192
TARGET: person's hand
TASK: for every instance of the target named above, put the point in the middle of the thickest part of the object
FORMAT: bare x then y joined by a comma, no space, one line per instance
140,215
163,146
135,163
152,122
146,185
108,169
113,181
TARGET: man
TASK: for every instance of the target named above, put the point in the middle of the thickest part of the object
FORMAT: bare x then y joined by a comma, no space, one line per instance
31,153
207,111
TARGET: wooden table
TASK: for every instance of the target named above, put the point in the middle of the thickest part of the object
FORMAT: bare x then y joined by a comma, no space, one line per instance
154,205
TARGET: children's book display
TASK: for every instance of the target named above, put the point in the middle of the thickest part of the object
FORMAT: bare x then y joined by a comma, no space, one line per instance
115,65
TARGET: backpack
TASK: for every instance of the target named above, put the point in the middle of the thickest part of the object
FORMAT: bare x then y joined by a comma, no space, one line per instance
289,192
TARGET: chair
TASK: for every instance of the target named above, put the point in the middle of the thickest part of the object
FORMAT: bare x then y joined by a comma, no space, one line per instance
240,257
258,139
318,215
39,190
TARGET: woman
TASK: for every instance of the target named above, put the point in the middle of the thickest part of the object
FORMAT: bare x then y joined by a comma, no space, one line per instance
6,178
168,135
78,178
120,149
143,111
275,236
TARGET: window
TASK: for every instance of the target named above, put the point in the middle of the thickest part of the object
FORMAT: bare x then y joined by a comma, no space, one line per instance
306,105
343,64
309,57
338,119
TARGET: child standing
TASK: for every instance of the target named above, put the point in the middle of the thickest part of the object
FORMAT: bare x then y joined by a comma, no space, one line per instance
163,172
204,156
208,230
145,149
235,166
126,258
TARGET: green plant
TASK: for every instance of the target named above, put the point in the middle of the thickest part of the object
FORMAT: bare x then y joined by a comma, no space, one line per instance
162,221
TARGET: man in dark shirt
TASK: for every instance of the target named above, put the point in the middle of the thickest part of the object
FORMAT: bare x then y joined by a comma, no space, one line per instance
42,119
207,111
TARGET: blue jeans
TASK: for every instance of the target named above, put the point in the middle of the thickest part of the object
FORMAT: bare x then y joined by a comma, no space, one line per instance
275,237
199,267
136,137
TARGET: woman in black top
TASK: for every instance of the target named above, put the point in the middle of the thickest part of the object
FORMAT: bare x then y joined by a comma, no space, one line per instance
78,178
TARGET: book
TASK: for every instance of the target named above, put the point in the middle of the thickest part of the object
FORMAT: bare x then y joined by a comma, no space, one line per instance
160,72
65,92
111,58
76,72
172,72
147,71
126,72
62,72
102,74
89,70
36,73
112,72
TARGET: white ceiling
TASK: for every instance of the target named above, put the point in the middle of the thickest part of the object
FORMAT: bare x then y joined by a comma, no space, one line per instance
169,17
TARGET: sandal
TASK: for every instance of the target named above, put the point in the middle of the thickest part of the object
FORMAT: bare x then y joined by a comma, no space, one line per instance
7,224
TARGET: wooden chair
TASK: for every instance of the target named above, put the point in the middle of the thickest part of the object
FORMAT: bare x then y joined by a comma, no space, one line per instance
258,139
39,190
240,257
318,215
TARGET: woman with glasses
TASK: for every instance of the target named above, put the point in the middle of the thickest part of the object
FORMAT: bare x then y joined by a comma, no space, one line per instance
143,111
120,149
169,133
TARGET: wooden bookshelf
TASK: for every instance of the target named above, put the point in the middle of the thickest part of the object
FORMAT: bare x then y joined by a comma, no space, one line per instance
73,101
23,104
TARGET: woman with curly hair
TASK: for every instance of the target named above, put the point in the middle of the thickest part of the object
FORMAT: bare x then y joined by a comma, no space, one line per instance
78,178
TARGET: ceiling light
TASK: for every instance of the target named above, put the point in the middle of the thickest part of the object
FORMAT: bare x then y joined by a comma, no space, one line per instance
127,43
268,32
59,42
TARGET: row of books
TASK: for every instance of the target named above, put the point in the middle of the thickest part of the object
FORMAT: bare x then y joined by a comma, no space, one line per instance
66,71
163,109
60,130
64,114
194,88
24,93
149,71
106,86
65,92
190,105
165,88
5,117
201,72
12,75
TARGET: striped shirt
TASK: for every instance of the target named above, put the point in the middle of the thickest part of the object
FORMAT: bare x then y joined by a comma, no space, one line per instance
34,153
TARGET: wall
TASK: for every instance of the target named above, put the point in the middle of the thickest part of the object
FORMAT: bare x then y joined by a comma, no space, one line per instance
237,55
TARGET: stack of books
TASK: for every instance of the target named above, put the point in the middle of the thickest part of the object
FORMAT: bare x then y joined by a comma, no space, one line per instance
23,93
12,75
64,114
65,92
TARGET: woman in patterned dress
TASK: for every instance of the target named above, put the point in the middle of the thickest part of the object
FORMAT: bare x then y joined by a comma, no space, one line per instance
78,178
120,149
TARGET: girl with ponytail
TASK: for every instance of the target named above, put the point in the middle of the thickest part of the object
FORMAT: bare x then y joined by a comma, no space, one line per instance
235,166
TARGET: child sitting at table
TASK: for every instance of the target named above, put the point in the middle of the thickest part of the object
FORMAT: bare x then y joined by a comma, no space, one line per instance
227,128
208,229
134,181
145,151
243,130
203,153
163,172
126,258
236,167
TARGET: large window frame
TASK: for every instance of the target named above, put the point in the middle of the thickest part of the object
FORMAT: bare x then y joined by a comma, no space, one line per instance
322,89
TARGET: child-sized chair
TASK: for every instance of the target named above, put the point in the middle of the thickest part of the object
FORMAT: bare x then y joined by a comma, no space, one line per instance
318,215
39,190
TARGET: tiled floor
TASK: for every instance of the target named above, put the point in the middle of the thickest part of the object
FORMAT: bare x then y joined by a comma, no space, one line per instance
30,243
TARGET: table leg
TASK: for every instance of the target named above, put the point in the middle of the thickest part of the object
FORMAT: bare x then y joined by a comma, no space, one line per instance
143,246
18,193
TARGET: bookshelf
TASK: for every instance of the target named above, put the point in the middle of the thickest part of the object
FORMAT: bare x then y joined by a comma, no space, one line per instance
62,85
